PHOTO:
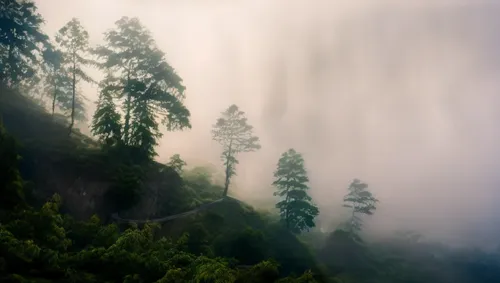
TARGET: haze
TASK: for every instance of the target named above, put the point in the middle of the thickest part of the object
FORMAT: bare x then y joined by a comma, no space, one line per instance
403,96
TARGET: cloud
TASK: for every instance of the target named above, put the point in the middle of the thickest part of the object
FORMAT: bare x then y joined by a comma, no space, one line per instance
401,95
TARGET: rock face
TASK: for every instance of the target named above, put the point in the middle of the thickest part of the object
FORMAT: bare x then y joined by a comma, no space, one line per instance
84,193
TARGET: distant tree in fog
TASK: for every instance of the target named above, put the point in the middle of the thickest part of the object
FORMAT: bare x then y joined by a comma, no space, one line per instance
361,201
73,41
176,163
235,135
296,208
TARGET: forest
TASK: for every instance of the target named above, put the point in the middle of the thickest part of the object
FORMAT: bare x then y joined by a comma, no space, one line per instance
135,219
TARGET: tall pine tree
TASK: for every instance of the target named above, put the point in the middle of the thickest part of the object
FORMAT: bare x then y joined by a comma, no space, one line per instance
106,123
150,90
361,201
296,208
73,40
235,135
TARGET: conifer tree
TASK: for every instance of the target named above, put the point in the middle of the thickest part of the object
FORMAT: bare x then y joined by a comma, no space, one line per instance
22,41
73,40
296,208
106,123
361,201
235,135
150,90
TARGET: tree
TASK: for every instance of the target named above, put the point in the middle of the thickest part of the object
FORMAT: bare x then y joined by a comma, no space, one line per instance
21,40
151,91
176,163
106,122
296,208
57,80
235,135
361,201
74,42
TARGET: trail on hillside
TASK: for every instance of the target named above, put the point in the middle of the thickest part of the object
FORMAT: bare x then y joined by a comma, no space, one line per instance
117,218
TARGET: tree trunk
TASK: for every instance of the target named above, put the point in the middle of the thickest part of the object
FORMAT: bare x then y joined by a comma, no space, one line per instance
73,102
352,220
226,185
54,98
287,215
126,127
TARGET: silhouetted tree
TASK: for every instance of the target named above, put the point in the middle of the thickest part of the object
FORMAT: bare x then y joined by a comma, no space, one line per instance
57,81
296,208
151,91
235,135
361,201
176,163
106,123
73,40
22,41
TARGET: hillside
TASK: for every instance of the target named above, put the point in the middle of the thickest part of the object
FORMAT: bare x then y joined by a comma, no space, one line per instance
77,169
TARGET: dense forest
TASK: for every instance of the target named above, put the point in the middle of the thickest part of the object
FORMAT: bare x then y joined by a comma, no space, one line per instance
101,208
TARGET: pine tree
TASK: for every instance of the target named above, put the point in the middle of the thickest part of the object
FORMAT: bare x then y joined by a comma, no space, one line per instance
57,82
73,40
296,208
151,91
361,201
22,41
235,135
106,123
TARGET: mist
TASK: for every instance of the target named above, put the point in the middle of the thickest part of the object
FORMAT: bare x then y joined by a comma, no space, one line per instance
402,96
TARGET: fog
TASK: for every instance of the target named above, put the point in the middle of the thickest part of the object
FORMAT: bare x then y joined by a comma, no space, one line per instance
399,94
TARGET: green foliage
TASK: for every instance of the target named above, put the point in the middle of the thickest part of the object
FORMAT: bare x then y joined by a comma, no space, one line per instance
151,91
21,40
296,209
361,201
41,245
73,41
11,183
106,123
235,135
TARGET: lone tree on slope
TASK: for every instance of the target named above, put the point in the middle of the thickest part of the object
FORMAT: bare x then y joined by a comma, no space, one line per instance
296,208
235,135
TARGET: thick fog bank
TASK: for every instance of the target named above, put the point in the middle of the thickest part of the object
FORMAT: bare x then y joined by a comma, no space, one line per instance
401,95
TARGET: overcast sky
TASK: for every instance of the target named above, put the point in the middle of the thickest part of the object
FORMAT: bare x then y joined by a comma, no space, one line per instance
401,94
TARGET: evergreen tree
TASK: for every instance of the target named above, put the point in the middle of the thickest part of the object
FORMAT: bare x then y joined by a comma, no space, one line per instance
73,40
106,123
235,135
57,81
21,40
296,208
361,201
151,91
